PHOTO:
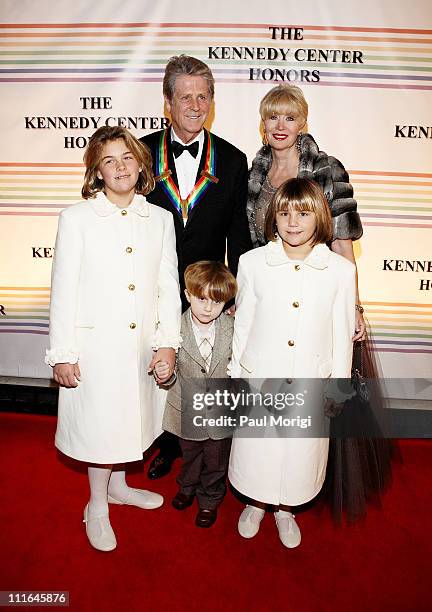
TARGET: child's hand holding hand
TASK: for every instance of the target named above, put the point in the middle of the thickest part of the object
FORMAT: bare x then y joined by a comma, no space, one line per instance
162,371
165,358
67,374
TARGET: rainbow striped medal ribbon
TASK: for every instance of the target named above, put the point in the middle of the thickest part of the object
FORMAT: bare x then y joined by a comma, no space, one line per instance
185,206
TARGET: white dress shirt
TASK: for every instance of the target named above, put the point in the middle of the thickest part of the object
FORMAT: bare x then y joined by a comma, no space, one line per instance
186,165
205,339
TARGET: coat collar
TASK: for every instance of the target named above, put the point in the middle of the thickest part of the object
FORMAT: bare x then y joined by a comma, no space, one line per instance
318,258
104,208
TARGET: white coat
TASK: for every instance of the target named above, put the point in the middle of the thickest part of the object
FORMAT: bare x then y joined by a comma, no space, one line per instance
114,298
294,319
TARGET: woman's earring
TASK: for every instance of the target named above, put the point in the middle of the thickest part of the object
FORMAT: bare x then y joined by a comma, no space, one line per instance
298,142
264,140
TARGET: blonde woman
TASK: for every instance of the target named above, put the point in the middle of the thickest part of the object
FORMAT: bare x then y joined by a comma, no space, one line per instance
290,152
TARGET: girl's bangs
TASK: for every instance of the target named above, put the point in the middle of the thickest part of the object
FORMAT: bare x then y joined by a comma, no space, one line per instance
294,204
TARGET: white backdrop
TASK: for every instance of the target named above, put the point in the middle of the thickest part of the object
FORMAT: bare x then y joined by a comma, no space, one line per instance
56,56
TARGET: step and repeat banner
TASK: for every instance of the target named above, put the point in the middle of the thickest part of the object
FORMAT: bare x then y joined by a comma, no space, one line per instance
67,68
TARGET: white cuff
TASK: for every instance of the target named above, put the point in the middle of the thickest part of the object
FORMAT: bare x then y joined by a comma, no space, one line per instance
161,341
61,355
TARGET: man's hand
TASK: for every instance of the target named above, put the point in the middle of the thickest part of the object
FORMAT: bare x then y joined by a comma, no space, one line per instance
67,374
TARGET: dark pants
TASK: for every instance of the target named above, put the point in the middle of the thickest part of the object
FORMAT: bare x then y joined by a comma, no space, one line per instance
168,446
204,469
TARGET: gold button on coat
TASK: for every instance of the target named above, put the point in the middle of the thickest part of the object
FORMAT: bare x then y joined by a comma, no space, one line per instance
124,213
296,304
290,342
296,267
132,325
131,287
128,249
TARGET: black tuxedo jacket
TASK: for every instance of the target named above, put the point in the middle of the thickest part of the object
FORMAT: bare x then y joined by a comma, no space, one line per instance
218,223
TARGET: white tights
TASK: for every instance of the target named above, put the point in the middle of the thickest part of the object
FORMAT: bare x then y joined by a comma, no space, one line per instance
103,480
98,480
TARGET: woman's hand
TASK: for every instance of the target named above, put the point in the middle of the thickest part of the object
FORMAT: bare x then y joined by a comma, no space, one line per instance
345,248
360,327
67,374
332,408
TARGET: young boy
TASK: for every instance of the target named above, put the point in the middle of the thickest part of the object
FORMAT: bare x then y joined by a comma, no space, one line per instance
204,354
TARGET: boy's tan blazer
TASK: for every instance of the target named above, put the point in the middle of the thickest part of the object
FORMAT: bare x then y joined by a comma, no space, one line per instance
192,378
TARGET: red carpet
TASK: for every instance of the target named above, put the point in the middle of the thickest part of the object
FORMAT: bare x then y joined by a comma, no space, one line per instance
163,562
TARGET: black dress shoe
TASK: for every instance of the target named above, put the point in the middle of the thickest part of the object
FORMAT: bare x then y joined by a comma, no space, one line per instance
159,467
206,517
182,501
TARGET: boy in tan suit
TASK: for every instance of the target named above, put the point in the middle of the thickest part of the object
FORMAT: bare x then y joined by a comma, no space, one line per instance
204,354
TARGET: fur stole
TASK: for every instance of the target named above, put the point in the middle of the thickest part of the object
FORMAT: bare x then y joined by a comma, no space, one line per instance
325,170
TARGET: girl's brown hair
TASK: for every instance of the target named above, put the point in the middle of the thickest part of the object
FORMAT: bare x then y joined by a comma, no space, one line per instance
300,194
92,158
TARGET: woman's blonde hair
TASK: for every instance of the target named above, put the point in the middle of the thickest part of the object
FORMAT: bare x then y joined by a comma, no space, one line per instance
303,195
93,157
284,100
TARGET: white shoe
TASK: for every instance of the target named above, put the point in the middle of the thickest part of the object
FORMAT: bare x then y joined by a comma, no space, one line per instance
289,532
99,531
139,498
249,521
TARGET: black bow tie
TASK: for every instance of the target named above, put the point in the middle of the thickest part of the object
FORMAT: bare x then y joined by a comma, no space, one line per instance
178,148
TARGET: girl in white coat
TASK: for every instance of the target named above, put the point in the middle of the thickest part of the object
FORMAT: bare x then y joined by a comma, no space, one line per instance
115,313
295,318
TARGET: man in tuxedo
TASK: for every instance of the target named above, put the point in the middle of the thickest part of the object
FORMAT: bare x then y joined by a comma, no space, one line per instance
202,180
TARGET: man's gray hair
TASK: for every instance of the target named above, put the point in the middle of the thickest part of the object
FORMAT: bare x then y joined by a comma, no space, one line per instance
179,65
